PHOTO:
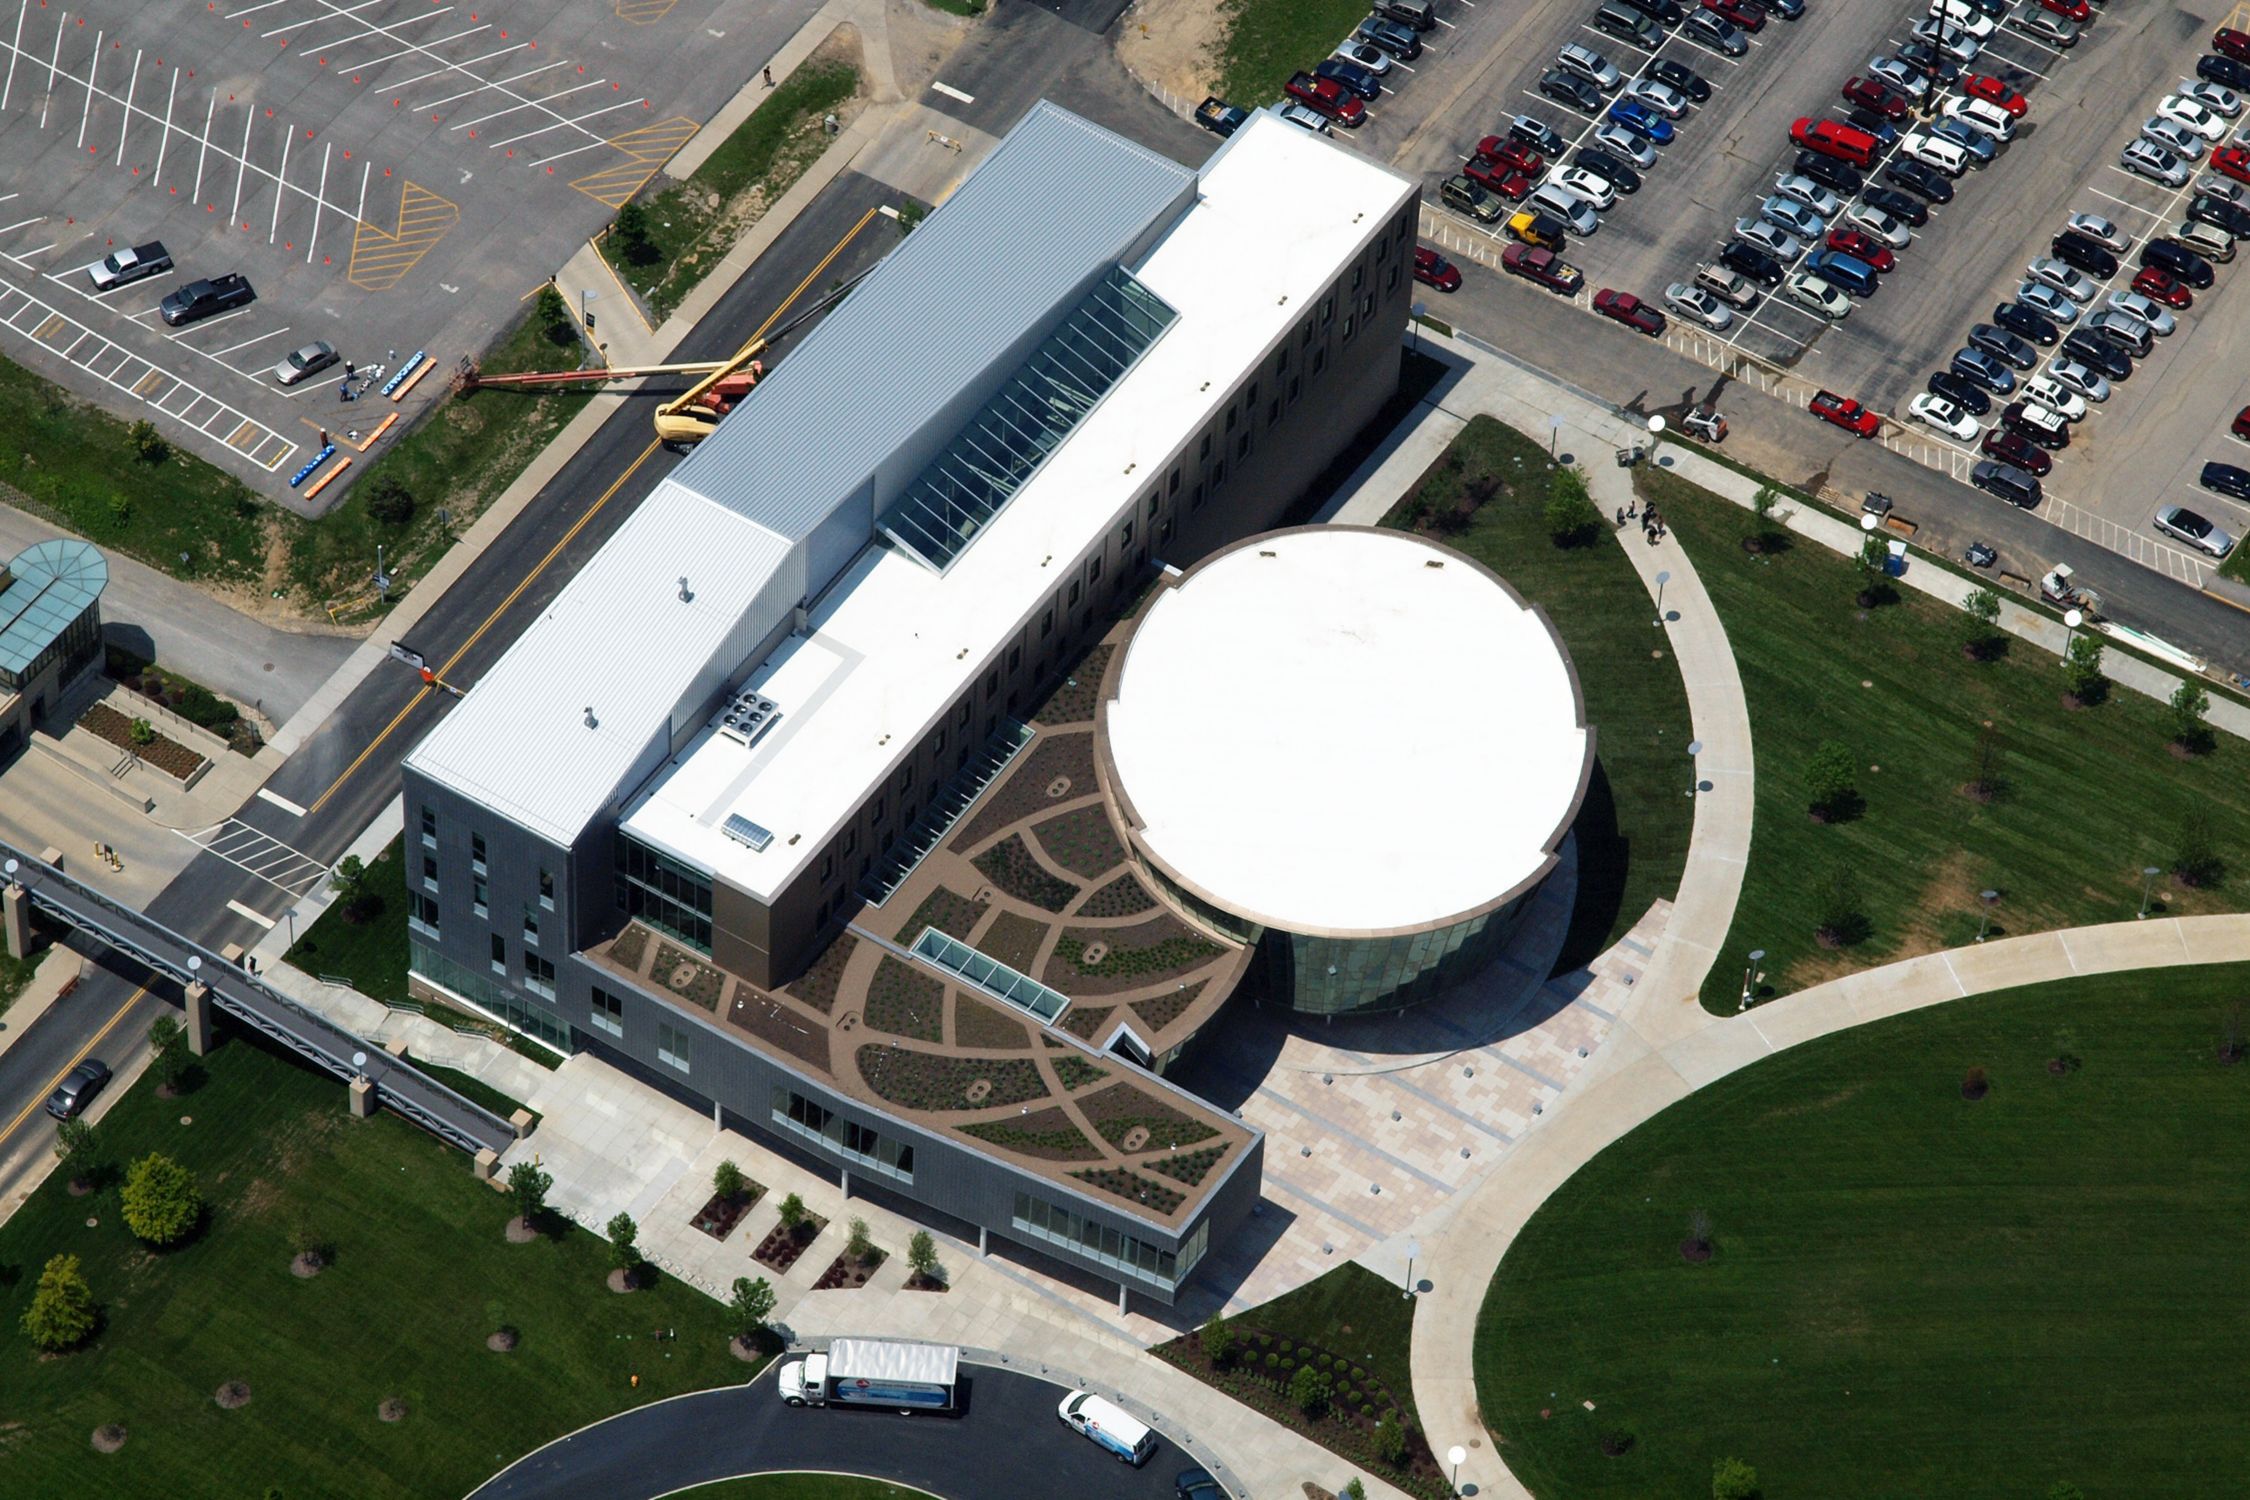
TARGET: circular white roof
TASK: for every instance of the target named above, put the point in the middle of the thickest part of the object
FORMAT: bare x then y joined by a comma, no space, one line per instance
1325,730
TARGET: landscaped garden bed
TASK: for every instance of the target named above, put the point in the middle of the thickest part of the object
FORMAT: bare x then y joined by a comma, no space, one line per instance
1133,1188
1057,766
766,1017
948,911
1190,1167
718,1217
1074,702
976,1024
927,1080
159,750
1011,866
818,986
1081,840
1014,940
1160,1011
1047,1134
1123,897
630,947
905,1002
1160,948
1087,1021
688,977
1132,1119
860,1260
784,1243
1075,1072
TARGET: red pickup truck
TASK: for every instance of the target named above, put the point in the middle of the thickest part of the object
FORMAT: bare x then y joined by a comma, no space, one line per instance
1328,97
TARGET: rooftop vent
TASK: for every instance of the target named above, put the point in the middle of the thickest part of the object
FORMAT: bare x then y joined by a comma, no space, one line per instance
591,721
747,717
746,833
685,596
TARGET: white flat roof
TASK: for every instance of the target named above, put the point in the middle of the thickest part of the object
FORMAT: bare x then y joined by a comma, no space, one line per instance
892,645
1320,731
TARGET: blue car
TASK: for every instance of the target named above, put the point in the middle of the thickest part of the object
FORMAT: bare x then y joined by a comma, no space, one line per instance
1351,75
1642,121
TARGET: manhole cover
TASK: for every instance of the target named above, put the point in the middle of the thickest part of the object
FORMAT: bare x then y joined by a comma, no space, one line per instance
1059,787
979,1090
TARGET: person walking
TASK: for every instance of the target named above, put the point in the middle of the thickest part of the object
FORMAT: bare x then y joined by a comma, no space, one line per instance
769,78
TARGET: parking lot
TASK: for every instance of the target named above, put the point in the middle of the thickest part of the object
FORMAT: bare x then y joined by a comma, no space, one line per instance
392,176
2141,449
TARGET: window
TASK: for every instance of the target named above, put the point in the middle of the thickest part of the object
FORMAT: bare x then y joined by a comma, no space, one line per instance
968,710
876,815
1242,446
1015,658
798,1115
1125,535
479,897
1073,604
827,867
476,852
992,683
851,841
1390,283
429,826
1218,476
1348,321
1155,499
1094,571
531,925
1292,390
1281,363
1250,399
664,892
1359,274
1319,360
1106,1245
1203,451
937,745
1195,503
538,975
1367,304
1327,310
608,1013
429,871
1046,628
422,913
499,954
1382,251
1273,411
1230,416
547,889
672,1045
1173,487
1164,533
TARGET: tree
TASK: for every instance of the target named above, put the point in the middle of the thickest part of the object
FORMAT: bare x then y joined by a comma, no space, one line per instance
2195,859
1873,552
62,1312
624,1245
1838,920
555,321
1831,777
148,443
141,732
357,901
2188,706
727,1181
793,1213
1355,1490
2082,670
752,1305
1572,517
1732,1479
1762,504
1218,1342
527,1185
910,214
161,1202
77,1147
1982,609
390,501
861,1246
1310,1388
173,1059
921,1255
633,236
1390,1438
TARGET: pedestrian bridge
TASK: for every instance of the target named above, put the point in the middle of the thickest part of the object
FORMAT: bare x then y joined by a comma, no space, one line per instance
35,885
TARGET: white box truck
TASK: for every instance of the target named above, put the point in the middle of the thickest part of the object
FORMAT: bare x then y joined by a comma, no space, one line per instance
874,1372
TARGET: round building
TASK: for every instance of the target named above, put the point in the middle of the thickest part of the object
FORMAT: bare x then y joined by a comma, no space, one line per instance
1354,747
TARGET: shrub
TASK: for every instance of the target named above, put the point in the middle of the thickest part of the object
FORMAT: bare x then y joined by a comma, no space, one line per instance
62,1311
862,1243
148,444
2188,706
1218,1341
1354,1490
1732,1479
160,1199
1839,920
142,732
77,1146
1390,1437
751,1305
2082,669
173,1059
390,501
1273,1361
1310,1389
1831,777
555,321
793,1212
727,1181
1572,518
633,237
910,214
2195,859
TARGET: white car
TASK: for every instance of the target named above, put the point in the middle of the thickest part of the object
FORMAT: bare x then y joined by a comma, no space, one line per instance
1661,97
2195,115
2146,158
1581,183
1694,302
1808,192
1933,151
2173,137
1815,294
2068,280
1946,417
1984,115
2082,378
2158,318
2098,229
2212,96
1622,143
2044,299
1970,19
2056,397
1879,225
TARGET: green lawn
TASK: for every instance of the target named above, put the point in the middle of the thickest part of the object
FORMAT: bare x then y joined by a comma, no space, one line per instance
2087,798
800,1487
421,1275
371,955
15,973
1267,40
1633,832
1909,1294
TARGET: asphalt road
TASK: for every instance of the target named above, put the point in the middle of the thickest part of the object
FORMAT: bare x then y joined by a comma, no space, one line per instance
1006,1441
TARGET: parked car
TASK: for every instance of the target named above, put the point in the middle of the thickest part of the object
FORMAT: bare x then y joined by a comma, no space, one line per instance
2091,349
1918,177
1498,177
1626,146
2026,322
202,299
1966,394
1876,95
1769,237
2124,330
1629,310
1878,225
1537,134
1985,116
2096,228
1981,147
2231,43
2077,376
1366,55
1608,168
1401,42
2006,482
1753,261
1931,150
2174,137
1947,38
2145,158
1731,287
1803,189
1642,121
1817,294
1864,248
2241,426
2080,250
1663,12
1576,57
78,1088
1710,31
2014,448
2227,72
2226,479
1977,365
1459,192
1305,117
1434,270
1925,59
2194,115
1328,97
1661,97
1680,76
2056,397
1533,228
1839,269
1838,176
2220,213
1845,413
1570,89
2046,26
1912,82
123,267
1993,91
1694,302
306,361
1739,13
1559,203
1792,214
2212,96
2063,278
2002,344
2161,287
2176,259
1350,75
1548,269
1937,412
2036,424
2134,305
2195,529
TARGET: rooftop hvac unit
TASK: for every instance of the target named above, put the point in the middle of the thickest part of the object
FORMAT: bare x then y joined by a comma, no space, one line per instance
748,716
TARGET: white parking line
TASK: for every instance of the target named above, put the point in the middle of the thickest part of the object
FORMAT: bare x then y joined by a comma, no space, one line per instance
93,65
243,911
320,196
8,92
282,180
166,144
474,121
563,124
545,67
246,343
132,87
361,36
49,97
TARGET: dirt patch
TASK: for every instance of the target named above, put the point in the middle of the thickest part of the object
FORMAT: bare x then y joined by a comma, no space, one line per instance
1014,940
234,1395
307,1264
520,1231
1174,43
745,1351
391,1409
1695,1252
502,1340
109,1438
976,1024
622,1281
1049,1134
818,985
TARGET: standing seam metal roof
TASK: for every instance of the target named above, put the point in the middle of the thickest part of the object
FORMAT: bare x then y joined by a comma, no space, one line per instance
49,585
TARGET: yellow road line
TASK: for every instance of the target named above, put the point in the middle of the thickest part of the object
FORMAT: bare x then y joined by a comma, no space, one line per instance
83,1053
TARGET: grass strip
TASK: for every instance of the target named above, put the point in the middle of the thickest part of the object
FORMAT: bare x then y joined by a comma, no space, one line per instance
1267,40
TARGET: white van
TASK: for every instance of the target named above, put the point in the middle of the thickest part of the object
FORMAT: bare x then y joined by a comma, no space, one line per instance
1108,1424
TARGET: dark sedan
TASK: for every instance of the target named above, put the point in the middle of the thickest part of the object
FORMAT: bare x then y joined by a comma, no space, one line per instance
1915,177
1570,89
2224,479
2080,250
1607,167
1682,77
77,1090
1842,176
2176,259
2210,208
2005,345
1751,262
2028,321
1904,207
2092,350
1966,394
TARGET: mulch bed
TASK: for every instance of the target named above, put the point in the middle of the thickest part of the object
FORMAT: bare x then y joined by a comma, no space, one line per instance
905,1002
818,985
1696,1251
1044,1135
307,1264
948,911
780,1249
1013,868
502,1340
392,1410
718,1217
1161,948
688,977
1081,841
1014,940
1074,702
765,1017
1123,1108
165,753
1022,792
976,1024
1160,1011
631,946
1087,1021
927,1080
1075,1072
234,1395
1123,897
849,1271
109,1438
1190,1167
1133,1188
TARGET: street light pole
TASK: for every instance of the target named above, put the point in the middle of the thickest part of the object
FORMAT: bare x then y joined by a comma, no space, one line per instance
1413,1249
1750,975
1985,925
1694,782
1456,1456
2148,884
1662,578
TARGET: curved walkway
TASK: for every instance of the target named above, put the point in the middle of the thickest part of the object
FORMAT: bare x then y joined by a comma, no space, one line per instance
1640,1080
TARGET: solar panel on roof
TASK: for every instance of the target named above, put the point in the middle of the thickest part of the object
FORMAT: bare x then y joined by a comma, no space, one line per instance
751,835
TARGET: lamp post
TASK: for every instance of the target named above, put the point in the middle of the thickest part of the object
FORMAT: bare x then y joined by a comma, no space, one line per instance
1413,1249
1554,432
1984,925
2148,884
1456,1456
1750,976
1662,578
1694,784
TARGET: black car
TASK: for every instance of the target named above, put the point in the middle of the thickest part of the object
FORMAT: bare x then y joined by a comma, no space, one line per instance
1197,1484
1842,176
2210,208
200,299
2224,71
2006,481
2028,321
2176,259
1962,393
1751,262
2226,479
84,1081
1664,12
2096,352
1976,365
1788,10
1679,75
2081,251
1609,168
1903,207
1926,59
1863,118
2005,345
1537,134
1915,177
1570,89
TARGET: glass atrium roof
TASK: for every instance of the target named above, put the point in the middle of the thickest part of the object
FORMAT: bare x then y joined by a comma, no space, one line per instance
47,587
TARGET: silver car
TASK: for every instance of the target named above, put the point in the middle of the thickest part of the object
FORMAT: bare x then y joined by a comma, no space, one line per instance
2066,279
1808,192
2145,158
2212,96
1794,217
1769,237
303,364
1694,302
1661,97
1618,141
2082,378
1880,225
1817,295
2173,137
2042,298
2158,318
2194,529
2097,229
